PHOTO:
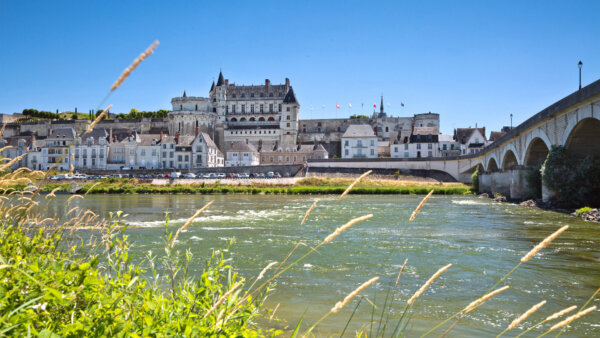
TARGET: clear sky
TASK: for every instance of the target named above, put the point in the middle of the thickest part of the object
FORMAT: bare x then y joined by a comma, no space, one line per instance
470,61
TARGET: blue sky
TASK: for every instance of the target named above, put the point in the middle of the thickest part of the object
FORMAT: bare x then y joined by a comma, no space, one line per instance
470,61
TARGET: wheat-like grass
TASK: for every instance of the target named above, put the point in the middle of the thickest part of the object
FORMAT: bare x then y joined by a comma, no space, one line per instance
355,183
98,119
345,227
3,126
418,209
524,316
427,283
339,305
189,221
51,194
11,162
134,65
572,318
5,148
222,299
92,187
474,304
308,212
262,273
561,313
274,311
400,273
543,244
73,197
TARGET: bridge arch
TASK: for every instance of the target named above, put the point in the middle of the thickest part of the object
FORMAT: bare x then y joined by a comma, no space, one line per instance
492,164
505,151
583,138
536,152
536,136
509,160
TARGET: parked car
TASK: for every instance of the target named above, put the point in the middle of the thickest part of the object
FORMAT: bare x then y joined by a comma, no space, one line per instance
221,175
175,174
189,175
244,175
229,175
277,175
270,174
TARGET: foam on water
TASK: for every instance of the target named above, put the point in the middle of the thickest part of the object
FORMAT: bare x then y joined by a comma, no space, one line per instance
468,202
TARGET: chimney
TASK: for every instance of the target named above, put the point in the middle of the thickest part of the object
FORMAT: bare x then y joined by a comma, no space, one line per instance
177,138
226,82
197,131
161,135
267,82
110,137
287,84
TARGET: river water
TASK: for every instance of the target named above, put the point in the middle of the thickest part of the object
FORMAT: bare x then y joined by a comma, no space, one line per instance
483,240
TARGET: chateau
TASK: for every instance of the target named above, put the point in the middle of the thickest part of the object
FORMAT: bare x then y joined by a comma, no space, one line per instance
265,116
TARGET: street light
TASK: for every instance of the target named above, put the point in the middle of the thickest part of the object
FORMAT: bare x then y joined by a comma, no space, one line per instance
580,65
511,121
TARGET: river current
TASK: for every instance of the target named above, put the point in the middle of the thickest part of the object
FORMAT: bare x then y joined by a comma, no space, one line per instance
481,239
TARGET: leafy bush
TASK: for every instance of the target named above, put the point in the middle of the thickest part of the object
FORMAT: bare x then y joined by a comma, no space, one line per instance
575,180
583,210
533,177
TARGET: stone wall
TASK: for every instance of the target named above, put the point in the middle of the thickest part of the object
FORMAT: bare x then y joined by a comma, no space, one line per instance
289,169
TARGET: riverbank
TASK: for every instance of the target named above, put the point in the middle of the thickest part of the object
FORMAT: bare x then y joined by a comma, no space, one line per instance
304,186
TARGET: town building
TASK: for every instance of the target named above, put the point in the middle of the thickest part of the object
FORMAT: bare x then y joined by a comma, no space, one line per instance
359,141
448,146
241,154
56,150
90,150
300,154
471,140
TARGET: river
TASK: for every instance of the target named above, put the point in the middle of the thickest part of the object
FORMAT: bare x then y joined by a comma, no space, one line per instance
482,239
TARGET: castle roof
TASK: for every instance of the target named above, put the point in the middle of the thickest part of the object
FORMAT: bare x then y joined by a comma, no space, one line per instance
220,81
290,97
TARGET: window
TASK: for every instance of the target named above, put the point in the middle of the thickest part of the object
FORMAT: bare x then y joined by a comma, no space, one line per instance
252,106
287,117
251,94
429,154
287,109
243,108
261,107
405,146
233,108
406,154
171,155
143,152
444,147
418,145
199,159
164,146
243,95
429,146
154,152
270,94
164,154
372,152
199,149
101,153
226,109
359,143
270,107
372,143
179,158
131,151
187,158
288,124
347,152
346,143
280,107
172,145
262,94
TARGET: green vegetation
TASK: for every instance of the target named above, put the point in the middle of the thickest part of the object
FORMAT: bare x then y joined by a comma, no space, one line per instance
475,180
312,187
55,285
583,210
359,116
135,114
575,180
533,177
40,114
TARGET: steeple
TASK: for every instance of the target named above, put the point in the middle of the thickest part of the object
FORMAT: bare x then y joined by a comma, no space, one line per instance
220,81
213,86
290,97
381,105
184,95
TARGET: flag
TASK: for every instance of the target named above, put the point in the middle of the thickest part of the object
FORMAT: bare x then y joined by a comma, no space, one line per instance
389,105
311,107
374,105
350,105
401,104
337,106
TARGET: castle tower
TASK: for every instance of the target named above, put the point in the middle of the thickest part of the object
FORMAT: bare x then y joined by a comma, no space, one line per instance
289,117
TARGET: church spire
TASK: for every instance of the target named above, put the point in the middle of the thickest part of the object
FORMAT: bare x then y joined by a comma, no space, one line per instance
213,86
381,105
184,95
220,81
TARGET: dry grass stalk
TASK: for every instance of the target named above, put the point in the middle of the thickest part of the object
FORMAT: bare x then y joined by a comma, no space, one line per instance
524,316
572,318
134,65
222,299
262,273
339,305
418,209
426,285
355,183
400,273
11,162
308,212
92,187
73,197
474,304
543,244
51,194
273,314
345,227
3,126
561,313
98,119
189,221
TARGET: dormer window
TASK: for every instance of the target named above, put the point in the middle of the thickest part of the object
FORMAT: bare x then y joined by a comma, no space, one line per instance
243,95
251,94
233,96
262,94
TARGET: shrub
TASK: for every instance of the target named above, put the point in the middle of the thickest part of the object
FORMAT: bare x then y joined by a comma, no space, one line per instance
475,180
533,177
583,210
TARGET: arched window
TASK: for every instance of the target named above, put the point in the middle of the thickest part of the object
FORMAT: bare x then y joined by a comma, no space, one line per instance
252,119
270,94
271,118
196,107
387,129
243,119
233,119
261,119
180,107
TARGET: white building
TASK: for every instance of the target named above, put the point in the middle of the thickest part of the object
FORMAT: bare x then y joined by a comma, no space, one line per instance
241,154
56,150
472,140
90,150
359,141
205,153
448,146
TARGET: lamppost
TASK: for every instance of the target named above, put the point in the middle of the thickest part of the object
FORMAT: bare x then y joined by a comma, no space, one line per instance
580,64
511,121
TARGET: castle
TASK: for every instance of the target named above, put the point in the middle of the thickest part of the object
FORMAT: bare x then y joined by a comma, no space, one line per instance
265,116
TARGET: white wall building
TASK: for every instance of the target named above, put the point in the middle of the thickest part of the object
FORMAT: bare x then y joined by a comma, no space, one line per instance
241,154
359,141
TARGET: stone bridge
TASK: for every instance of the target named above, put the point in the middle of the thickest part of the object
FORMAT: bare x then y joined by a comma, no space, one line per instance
573,122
